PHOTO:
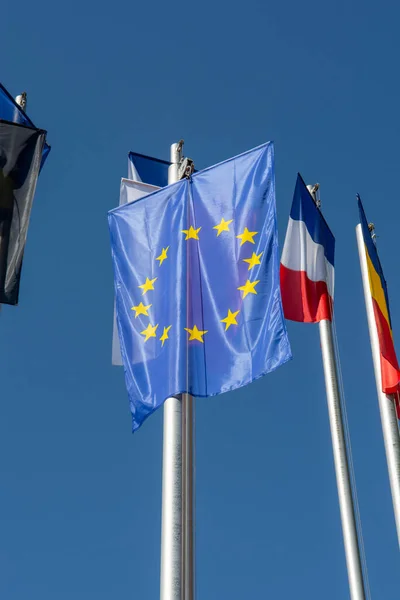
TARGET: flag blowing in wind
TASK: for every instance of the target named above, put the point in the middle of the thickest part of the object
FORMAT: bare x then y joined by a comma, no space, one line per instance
380,301
196,273
307,263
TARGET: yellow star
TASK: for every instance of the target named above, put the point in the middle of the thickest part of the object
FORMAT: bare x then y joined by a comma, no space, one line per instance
195,334
247,236
149,332
165,334
253,261
191,233
163,256
248,288
141,309
230,319
148,285
223,226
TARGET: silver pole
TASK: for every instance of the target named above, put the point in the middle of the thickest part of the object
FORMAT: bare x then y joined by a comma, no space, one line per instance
171,528
351,546
386,402
340,457
188,496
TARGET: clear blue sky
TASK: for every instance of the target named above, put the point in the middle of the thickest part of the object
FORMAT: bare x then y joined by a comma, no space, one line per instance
79,495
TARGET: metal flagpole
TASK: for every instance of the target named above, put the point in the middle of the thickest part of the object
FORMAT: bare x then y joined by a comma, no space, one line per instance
188,496
177,535
171,528
387,409
351,545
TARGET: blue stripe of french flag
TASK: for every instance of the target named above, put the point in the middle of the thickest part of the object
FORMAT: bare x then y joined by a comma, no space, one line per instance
307,263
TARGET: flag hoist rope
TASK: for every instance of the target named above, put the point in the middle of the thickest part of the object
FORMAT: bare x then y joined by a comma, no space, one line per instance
347,512
387,410
177,548
188,469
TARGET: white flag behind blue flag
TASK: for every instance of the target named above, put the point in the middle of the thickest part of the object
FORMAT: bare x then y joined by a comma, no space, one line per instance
129,192
132,170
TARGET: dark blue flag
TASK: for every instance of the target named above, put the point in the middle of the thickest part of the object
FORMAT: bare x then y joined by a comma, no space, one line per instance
147,169
11,111
20,155
197,284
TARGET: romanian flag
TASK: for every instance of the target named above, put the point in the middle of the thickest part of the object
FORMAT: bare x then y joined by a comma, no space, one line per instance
389,366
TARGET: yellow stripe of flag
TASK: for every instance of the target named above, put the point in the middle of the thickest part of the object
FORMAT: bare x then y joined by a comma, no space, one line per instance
377,292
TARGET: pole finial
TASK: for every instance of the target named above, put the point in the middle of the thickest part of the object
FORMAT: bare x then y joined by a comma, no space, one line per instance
313,189
371,229
21,100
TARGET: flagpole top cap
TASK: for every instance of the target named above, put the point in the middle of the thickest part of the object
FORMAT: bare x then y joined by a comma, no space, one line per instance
176,152
313,189
21,100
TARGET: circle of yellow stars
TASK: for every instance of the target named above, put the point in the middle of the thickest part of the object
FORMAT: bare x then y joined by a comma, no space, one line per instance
194,333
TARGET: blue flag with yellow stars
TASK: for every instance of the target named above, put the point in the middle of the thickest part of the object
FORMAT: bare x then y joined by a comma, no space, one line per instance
196,272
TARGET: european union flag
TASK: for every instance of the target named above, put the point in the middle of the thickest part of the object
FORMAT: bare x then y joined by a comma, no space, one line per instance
197,284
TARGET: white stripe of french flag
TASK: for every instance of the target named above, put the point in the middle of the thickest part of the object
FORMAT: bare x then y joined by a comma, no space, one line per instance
307,263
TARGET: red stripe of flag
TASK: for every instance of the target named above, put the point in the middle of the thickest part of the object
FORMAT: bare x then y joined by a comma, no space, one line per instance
304,300
389,364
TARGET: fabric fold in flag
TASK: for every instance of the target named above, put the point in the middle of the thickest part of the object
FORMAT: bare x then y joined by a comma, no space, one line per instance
20,156
307,262
130,191
196,273
389,365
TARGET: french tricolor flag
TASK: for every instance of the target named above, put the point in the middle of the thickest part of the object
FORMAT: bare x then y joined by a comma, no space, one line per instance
307,263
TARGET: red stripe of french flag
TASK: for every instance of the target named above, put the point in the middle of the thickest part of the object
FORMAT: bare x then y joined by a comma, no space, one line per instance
307,264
